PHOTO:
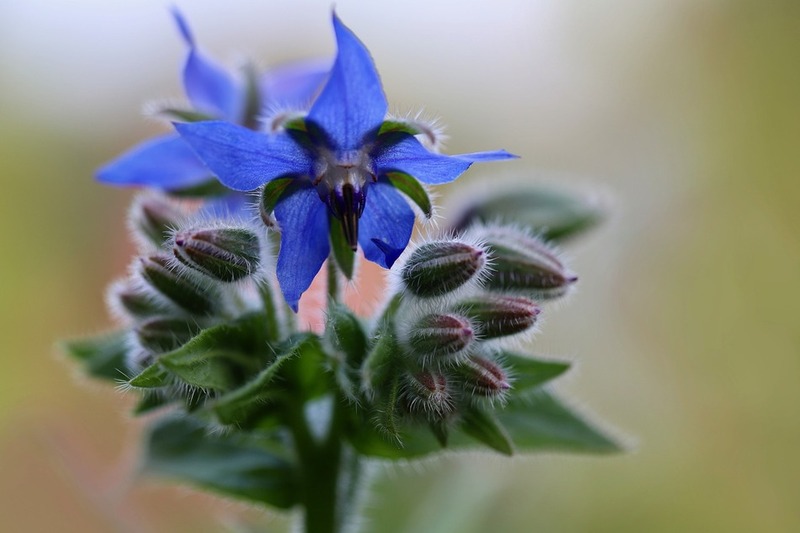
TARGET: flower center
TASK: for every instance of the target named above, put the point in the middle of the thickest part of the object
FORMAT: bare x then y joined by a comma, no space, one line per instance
341,180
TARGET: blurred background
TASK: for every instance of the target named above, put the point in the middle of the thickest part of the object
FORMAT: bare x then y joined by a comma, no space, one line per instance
682,114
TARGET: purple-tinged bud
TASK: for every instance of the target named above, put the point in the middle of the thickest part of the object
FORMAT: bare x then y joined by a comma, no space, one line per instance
162,335
137,302
439,267
224,254
440,337
174,285
499,316
153,218
483,377
524,264
429,393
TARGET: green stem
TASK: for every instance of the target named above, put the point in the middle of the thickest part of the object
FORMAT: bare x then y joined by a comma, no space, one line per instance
334,290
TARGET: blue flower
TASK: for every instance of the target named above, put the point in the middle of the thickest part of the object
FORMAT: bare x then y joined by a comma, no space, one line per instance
166,162
340,159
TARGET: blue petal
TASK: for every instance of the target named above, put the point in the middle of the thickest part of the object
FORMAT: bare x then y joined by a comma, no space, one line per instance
294,84
243,159
303,220
411,157
210,88
386,224
165,162
352,103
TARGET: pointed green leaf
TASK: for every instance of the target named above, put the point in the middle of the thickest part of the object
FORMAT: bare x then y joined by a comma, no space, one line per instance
228,464
207,360
539,421
344,331
152,377
528,373
102,356
241,406
344,255
410,442
484,427
413,189
307,367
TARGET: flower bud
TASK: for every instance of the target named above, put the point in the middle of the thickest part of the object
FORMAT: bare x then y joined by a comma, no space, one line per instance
483,377
224,254
137,302
440,337
429,393
176,286
436,268
165,334
524,264
499,316
153,218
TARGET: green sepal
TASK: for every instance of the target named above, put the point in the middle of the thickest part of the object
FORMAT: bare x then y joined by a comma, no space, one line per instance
484,427
152,377
270,195
397,126
541,422
229,464
210,188
344,255
528,373
102,356
412,188
554,214
185,115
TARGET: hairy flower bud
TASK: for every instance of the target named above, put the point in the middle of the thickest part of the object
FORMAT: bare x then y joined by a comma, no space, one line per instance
135,301
499,316
153,218
436,268
524,264
440,337
483,377
429,393
224,254
157,271
165,334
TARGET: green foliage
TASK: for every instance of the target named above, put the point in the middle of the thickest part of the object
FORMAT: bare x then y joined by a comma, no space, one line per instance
231,464
103,356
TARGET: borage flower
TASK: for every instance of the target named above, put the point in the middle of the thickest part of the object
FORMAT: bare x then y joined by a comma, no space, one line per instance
339,165
166,162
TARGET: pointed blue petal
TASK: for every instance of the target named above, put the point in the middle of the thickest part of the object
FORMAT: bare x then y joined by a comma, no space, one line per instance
411,157
209,87
386,224
165,162
303,220
243,159
294,84
352,102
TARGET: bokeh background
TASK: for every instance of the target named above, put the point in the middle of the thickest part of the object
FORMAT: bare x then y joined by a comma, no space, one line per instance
683,115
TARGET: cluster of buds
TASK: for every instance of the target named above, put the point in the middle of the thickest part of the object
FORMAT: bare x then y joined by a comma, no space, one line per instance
459,301
192,274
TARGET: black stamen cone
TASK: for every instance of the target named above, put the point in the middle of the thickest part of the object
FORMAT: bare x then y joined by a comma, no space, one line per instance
349,214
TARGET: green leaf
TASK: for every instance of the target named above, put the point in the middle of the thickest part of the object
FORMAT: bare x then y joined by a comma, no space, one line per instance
528,373
154,376
228,464
484,427
307,368
208,359
413,189
409,442
102,356
554,214
241,407
381,360
539,421
344,255
345,332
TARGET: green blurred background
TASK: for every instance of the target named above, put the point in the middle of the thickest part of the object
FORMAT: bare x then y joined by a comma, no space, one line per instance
683,115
